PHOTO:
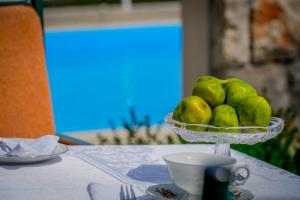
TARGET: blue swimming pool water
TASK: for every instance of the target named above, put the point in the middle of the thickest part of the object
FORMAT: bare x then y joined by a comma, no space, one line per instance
96,75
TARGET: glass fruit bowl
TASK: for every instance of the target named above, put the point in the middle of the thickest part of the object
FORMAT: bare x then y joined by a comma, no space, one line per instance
224,136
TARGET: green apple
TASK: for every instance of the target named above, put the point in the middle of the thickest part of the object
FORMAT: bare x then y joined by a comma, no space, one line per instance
224,116
193,110
254,111
210,89
237,91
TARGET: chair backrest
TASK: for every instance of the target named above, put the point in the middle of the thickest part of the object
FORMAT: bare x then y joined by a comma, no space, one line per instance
25,102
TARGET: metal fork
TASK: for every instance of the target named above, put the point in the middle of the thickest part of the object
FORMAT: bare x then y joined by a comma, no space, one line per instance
4,146
128,194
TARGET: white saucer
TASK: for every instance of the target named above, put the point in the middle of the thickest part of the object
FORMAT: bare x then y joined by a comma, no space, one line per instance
16,160
242,194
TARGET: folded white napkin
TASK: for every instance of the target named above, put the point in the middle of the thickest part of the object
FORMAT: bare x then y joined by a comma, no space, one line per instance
44,145
101,191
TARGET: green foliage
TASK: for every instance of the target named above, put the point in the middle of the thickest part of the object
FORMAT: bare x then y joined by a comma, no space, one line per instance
277,151
133,127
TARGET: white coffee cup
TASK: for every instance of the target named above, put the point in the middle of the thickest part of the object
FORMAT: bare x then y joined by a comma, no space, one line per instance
187,170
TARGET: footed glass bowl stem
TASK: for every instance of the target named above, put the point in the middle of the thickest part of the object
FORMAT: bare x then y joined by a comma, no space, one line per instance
222,149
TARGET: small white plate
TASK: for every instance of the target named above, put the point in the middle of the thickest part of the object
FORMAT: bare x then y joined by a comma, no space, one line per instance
16,160
180,194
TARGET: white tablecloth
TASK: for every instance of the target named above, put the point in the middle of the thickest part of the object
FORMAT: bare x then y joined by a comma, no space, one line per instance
68,176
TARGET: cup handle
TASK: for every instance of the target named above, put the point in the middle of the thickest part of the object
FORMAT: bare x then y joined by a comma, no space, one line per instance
237,178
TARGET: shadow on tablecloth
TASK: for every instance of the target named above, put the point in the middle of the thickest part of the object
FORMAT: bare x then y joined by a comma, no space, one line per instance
150,173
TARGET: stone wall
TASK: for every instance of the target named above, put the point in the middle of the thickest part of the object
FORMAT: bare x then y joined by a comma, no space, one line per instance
260,43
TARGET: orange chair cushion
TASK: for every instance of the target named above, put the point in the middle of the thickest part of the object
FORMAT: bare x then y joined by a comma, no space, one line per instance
25,102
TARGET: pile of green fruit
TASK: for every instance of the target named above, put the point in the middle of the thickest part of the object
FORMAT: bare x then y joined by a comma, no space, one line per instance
223,103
